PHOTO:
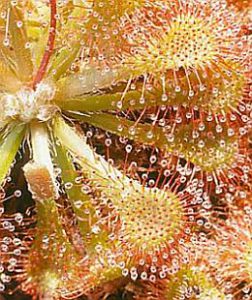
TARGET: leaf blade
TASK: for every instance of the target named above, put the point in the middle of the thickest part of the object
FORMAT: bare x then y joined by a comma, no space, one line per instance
19,42
8,149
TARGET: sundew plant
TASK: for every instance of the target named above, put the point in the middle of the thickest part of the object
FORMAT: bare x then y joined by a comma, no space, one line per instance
125,150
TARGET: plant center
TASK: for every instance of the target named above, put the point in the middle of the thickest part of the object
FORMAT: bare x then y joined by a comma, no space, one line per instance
28,104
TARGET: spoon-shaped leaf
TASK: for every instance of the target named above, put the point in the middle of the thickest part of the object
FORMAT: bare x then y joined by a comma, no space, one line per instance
75,92
80,202
127,195
181,142
52,256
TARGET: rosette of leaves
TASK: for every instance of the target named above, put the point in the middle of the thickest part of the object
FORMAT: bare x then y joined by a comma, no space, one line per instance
54,72
37,79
